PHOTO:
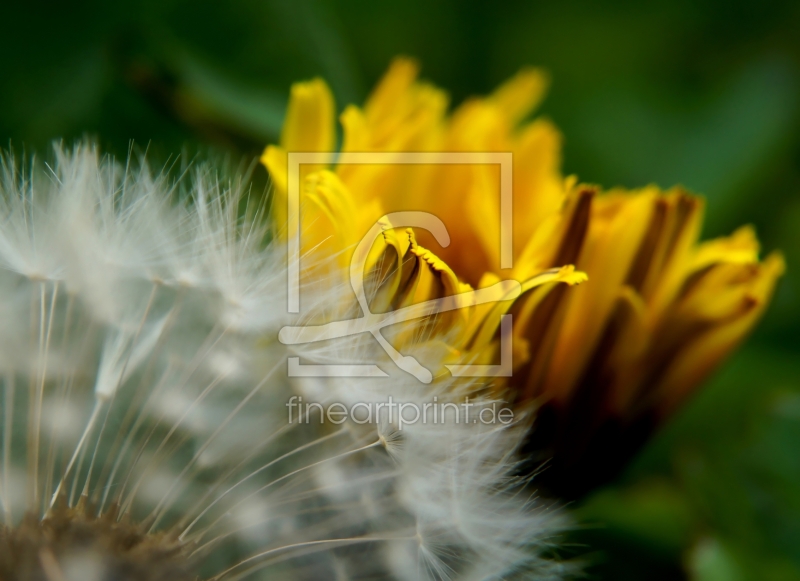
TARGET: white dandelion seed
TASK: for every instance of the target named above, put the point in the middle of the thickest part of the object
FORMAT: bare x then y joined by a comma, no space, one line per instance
144,428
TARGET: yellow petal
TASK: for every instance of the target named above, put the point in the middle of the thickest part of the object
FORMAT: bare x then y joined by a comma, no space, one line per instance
410,274
400,76
704,351
559,238
428,277
308,127
385,266
719,293
309,124
539,189
618,224
739,248
518,96
328,214
483,329
402,115
482,208
355,129
674,233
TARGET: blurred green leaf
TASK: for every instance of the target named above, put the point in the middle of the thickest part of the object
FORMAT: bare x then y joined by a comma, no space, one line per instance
709,560
717,147
652,514
206,93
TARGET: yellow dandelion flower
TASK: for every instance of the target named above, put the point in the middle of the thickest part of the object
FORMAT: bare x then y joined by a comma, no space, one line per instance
611,358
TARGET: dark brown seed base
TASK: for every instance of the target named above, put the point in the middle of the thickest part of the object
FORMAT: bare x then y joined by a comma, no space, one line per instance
70,543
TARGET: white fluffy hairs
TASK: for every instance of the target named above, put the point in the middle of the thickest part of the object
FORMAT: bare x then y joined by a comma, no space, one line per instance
98,226
141,372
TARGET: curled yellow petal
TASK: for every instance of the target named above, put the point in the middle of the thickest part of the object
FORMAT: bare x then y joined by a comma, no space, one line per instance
484,325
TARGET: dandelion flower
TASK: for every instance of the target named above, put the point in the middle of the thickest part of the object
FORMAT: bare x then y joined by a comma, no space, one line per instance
602,364
144,427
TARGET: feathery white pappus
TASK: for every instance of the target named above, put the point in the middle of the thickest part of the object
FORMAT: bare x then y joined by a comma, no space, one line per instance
144,418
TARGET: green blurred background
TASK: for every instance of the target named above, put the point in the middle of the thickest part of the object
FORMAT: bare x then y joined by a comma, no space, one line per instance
703,93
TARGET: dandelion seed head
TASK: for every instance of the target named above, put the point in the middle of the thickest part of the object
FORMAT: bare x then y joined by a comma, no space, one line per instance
144,396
